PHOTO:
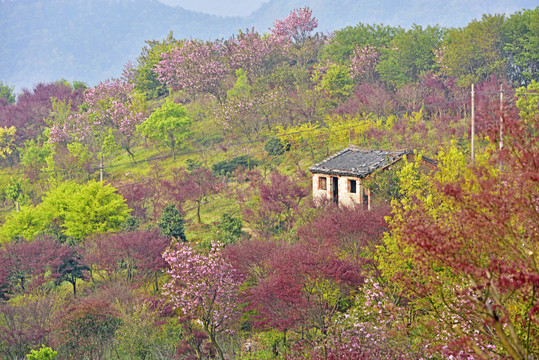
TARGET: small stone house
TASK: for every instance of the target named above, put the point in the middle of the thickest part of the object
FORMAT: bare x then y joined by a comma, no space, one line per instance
341,176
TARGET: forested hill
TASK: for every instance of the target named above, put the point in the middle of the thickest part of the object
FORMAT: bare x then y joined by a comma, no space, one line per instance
90,40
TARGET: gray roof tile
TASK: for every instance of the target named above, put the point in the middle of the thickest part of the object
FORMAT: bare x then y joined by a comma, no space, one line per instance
357,162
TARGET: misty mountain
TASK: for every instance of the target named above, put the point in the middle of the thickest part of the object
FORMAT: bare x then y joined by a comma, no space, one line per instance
90,40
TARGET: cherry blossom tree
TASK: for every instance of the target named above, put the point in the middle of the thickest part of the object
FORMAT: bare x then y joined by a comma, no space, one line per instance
204,287
363,63
108,118
255,54
296,27
196,67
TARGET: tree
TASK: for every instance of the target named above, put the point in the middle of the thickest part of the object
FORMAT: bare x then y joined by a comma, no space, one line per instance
347,40
363,63
410,53
86,330
296,27
168,125
279,203
204,287
136,252
469,235
196,67
71,268
473,53
254,54
45,353
34,106
81,210
197,185
171,223
7,93
7,137
25,324
94,208
230,229
109,118
521,46
146,78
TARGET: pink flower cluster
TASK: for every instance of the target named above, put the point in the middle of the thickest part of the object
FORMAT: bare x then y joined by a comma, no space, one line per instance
296,27
202,286
107,105
196,66
253,53
363,63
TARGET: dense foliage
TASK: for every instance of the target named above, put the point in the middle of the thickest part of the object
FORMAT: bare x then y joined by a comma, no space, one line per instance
213,248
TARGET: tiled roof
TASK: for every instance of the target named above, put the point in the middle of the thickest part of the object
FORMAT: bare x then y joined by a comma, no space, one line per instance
357,162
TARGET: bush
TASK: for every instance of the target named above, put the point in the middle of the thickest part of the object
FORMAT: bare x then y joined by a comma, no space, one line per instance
227,167
274,146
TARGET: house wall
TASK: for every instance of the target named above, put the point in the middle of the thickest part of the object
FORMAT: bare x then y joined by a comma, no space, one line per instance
346,198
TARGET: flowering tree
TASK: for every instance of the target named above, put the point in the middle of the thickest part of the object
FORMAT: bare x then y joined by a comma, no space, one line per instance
107,119
196,67
363,63
253,53
296,27
204,287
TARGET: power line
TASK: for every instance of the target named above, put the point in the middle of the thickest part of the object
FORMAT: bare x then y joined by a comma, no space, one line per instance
261,139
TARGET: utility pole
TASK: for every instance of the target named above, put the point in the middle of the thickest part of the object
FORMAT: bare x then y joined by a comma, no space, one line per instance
101,170
501,116
473,124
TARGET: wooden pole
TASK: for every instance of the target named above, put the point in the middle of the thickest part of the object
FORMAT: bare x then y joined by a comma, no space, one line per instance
501,116
473,124
101,170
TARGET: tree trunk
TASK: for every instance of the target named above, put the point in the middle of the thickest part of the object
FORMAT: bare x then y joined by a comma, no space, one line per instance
198,212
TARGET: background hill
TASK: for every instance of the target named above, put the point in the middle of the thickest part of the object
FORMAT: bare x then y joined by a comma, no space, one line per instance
90,40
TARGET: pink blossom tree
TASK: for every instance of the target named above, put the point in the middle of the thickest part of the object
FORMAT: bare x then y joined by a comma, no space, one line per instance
204,287
255,54
363,64
110,112
296,27
196,67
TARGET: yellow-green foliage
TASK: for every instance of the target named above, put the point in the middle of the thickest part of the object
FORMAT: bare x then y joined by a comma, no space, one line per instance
82,210
7,137
528,101
418,187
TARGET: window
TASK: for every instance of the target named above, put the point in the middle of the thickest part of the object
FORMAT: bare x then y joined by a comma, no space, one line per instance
352,186
322,183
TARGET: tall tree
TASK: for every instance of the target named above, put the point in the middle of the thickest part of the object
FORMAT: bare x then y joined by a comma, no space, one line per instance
168,125
473,53
204,287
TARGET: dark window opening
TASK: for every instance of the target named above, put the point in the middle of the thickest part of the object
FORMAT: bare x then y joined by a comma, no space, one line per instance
353,186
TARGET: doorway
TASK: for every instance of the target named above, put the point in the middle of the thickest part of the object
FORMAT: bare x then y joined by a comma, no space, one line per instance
335,187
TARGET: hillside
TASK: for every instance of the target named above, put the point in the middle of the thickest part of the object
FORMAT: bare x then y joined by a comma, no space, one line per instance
90,41
280,197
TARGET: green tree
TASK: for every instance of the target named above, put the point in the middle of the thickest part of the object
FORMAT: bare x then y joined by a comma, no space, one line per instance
145,78
6,93
230,229
336,81
7,141
528,101
343,43
472,53
80,210
45,353
521,46
168,125
171,223
410,53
